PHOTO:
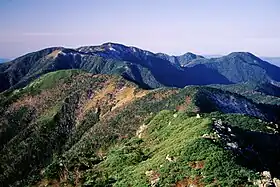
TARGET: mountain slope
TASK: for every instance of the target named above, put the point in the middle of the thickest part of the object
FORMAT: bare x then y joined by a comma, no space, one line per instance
55,109
142,67
266,93
241,67
71,127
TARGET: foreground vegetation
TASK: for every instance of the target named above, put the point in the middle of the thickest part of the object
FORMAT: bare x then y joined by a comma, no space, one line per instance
73,128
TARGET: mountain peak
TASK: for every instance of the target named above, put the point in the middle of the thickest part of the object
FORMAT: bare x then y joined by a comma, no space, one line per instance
245,57
112,44
190,54
242,54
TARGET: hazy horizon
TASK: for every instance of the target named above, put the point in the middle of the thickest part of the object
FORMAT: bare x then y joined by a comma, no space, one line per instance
173,27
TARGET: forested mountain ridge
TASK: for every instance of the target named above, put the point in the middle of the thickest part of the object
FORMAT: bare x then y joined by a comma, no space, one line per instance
75,128
147,69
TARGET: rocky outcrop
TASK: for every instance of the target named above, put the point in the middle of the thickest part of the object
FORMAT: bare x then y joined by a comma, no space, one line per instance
267,181
153,176
141,130
225,134
276,182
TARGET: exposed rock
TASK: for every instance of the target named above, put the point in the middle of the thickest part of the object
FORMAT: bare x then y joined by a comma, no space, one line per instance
233,145
266,174
225,134
206,136
141,130
153,177
197,164
266,180
190,182
209,136
219,124
276,182
198,116
272,129
170,158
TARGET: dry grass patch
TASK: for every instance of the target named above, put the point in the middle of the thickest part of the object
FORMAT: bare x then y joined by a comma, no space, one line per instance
53,54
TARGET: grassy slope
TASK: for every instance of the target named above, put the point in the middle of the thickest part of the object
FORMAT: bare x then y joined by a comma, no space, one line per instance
197,160
179,136
82,127
55,105
93,147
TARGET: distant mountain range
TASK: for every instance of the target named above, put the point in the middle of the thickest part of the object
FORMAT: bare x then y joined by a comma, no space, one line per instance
273,60
147,69
3,60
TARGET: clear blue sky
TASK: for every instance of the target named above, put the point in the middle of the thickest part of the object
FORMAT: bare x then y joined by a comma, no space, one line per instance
173,26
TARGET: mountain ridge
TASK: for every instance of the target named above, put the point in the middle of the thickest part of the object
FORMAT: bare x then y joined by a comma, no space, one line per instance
75,128
147,69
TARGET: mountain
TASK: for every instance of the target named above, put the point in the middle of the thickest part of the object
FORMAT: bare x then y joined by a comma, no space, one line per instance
179,60
142,67
111,115
241,67
147,69
3,60
74,128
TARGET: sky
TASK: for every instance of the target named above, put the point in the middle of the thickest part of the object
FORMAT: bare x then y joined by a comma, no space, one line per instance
207,27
